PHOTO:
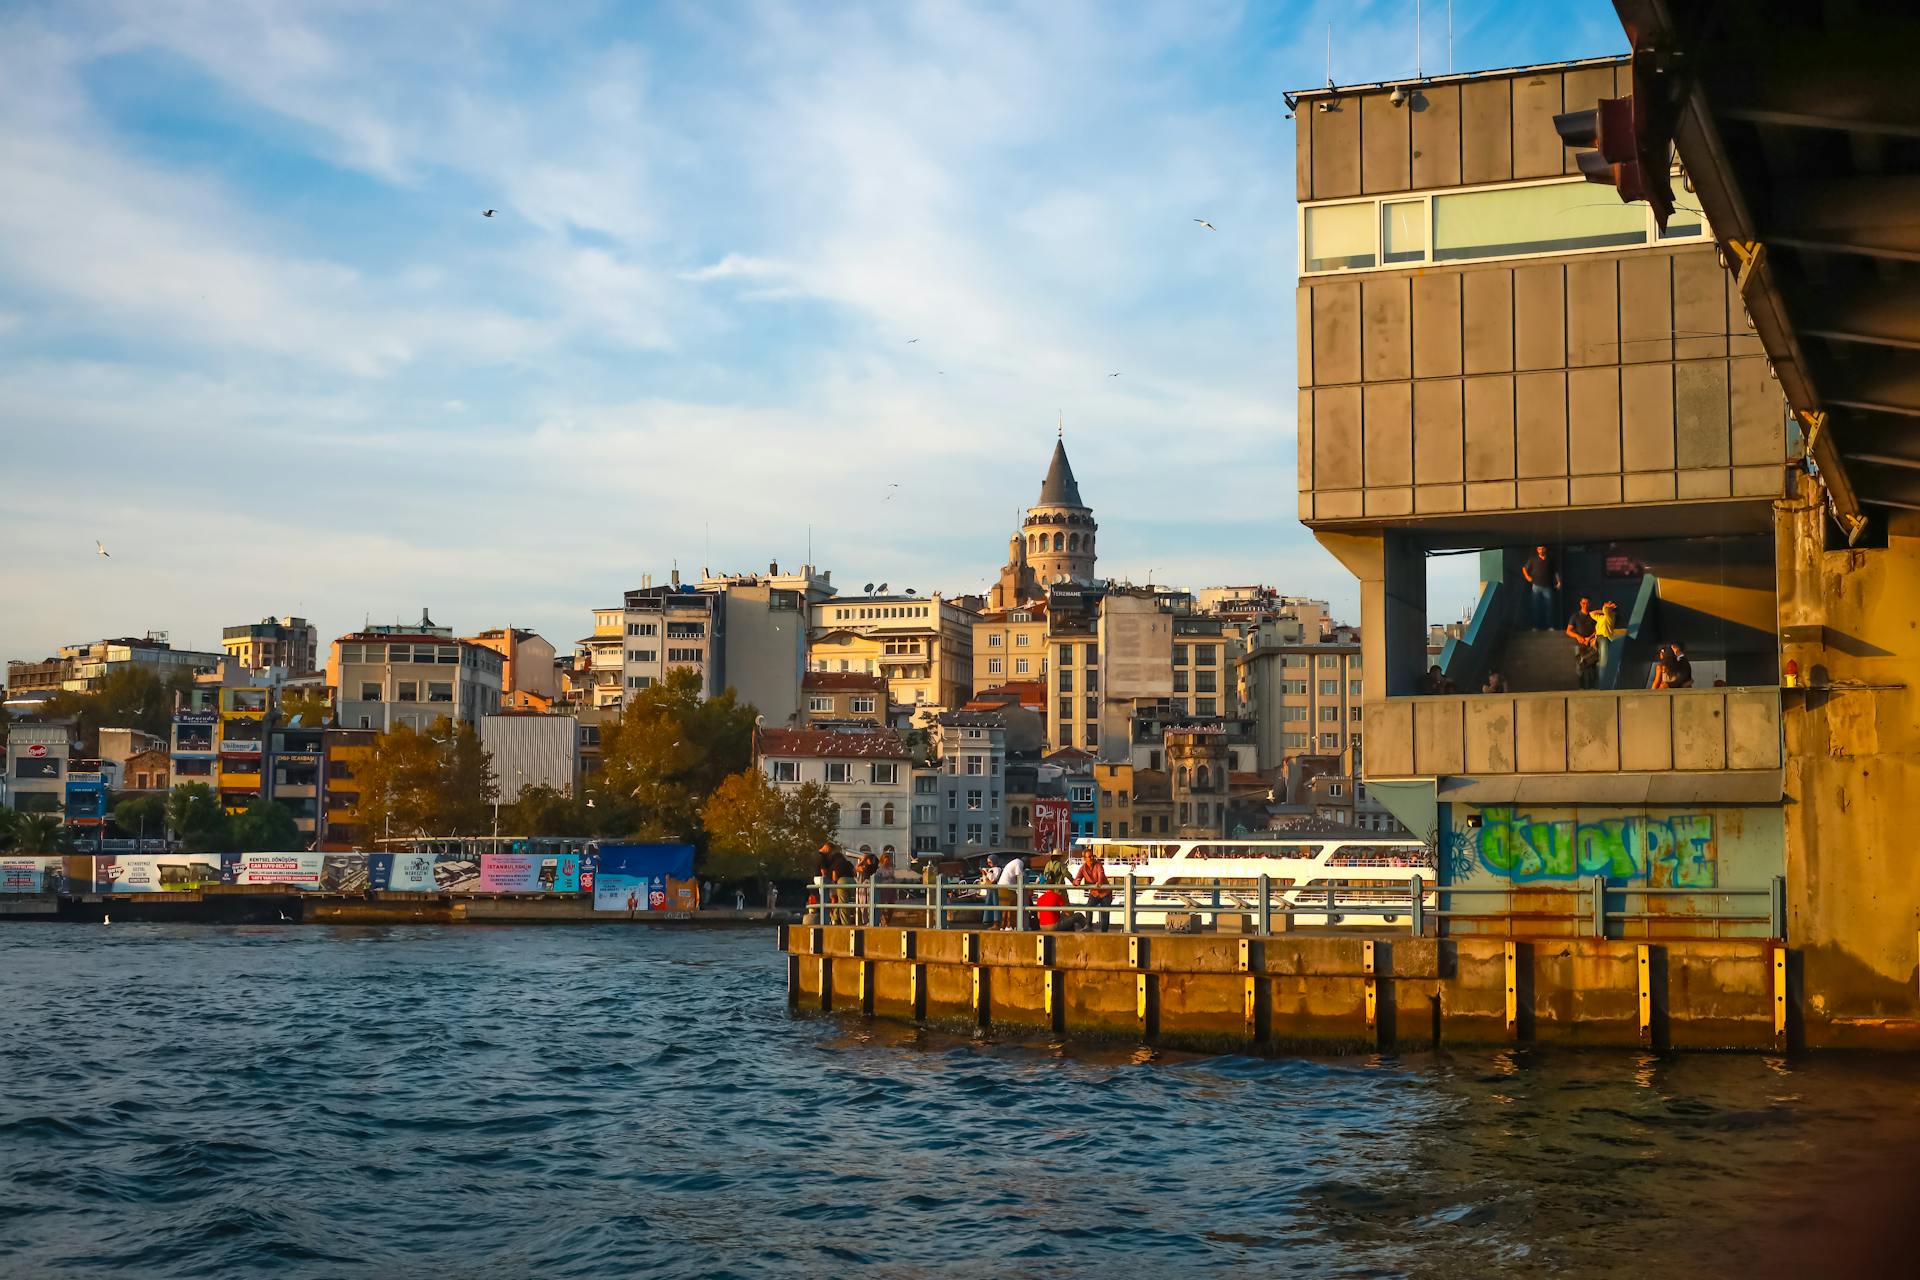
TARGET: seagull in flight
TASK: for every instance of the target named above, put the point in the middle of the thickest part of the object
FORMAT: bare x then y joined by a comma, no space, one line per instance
911,341
890,489
488,213
101,549
1113,375
1203,222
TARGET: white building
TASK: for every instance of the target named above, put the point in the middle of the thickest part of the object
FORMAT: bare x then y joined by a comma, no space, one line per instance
867,771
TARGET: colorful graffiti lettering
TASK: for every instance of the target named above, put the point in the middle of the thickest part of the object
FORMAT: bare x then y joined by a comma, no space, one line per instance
1676,852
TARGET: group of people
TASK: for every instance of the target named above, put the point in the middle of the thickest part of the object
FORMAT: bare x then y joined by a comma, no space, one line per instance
1001,878
847,880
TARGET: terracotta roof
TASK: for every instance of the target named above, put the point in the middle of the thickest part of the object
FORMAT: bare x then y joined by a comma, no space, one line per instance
845,681
829,743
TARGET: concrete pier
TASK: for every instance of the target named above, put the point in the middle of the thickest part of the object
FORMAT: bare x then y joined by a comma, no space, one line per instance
1331,991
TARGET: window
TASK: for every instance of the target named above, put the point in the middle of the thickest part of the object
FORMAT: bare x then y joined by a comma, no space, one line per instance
369,692
1066,655
786,771
925,785
924,813
1353,688
1330,715
1093,655
1337,789
862,705
639,682
1106,828
1179,655
1179,681
1081,793
1510,220
1020,641
975,798
819,704
1328,662
993,666
866,813
1329,742
926,844
640,629
1206,706
1092,707
1066,708
976,766
1329,688
1066,682
1092,736
973,833
1153,759
886,814
1183,813
1093,681
1293,686
1206,681
839,771
439,691
885,774
1353,713
1207,655
407,691
685,655
1293,740
993,640
1020,666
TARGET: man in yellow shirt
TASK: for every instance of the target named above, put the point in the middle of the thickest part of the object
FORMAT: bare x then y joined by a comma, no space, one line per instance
1606,633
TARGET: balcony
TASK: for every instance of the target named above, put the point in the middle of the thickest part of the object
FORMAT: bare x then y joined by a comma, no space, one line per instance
1591,747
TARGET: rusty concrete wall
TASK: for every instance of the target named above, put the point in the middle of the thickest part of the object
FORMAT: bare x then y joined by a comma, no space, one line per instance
1851,620
1203,991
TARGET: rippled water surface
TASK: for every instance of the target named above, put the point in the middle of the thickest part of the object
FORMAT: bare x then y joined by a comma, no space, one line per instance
617,1101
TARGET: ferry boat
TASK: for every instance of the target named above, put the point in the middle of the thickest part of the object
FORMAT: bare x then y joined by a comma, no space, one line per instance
1370,876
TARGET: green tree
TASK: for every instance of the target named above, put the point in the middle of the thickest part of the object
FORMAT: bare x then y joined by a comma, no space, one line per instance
197,820
136,815
9,821
670,750
757,831
40,833
130,698
437,783
544,811
309,707
266,826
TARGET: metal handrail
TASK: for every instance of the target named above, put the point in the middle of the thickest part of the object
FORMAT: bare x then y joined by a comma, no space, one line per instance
1330,900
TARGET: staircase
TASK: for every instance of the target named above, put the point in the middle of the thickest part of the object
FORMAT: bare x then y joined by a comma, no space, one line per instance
1538,661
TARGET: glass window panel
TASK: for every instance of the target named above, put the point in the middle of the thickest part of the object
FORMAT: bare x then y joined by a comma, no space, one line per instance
1403,231
1685,223
1552,219
1340,237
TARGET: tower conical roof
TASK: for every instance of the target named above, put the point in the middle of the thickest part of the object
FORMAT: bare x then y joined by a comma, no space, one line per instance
1059,489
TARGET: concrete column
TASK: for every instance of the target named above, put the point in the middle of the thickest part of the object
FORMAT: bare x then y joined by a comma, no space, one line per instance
1393,606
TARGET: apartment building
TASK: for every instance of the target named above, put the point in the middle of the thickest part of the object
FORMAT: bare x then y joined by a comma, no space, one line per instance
77,668
1302,698
342,828
289,643
843,696
971,786
1010,646
922,645
386,678
526,661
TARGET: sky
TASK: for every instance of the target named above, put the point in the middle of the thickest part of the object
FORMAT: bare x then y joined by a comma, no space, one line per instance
752,266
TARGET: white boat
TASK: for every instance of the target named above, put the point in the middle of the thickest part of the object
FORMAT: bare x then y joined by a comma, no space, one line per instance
1370,876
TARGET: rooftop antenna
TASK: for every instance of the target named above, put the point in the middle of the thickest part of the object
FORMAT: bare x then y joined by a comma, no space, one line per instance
1329,55
1449,37
1416,39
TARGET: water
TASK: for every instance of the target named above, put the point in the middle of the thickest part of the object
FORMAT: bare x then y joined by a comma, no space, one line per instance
617,1101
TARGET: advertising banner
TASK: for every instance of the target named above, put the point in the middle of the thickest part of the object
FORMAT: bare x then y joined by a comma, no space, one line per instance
529,873
1052,826
31,873
300,870
402,872
155,872
633,877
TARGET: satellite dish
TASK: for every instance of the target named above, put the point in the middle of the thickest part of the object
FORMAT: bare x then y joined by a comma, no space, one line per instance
869,588
883,586
909,590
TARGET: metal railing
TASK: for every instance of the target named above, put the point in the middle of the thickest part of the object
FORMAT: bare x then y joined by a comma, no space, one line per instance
1134,903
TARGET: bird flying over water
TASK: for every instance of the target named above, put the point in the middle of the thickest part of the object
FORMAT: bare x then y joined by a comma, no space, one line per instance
487,213
1203,222
911,341
101,550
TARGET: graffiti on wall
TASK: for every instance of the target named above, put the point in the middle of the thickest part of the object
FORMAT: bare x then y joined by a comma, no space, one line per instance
1673,850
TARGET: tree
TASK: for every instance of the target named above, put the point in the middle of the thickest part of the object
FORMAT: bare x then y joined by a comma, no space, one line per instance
131,698
9,821
543,811
139,816
757,831
197,820
307,707
671,749
437,783
266,826
40,833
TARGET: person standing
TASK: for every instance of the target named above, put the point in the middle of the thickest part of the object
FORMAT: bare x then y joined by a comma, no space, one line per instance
1606,636
1093,875
1055,870
1681,676
1012,875
1543,580
1662,669
1496,683
1586,661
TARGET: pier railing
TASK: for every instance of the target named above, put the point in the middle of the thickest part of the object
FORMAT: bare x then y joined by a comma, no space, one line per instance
1266,904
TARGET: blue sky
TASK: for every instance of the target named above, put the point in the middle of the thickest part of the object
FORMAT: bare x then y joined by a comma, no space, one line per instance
255,336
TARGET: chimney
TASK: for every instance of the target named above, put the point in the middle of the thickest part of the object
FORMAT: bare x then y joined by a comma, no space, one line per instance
773,568
676,577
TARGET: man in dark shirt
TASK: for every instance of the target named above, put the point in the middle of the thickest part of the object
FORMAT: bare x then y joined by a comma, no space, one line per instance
1543,579
1585,655
1680,673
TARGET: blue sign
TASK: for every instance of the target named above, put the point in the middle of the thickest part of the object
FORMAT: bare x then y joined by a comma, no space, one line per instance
633,877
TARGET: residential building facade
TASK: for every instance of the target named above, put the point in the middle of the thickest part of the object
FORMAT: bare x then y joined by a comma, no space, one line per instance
289,643
385,679
844,697
867,771
1303,698
972,783
526,661
922,645
77,668
1010,646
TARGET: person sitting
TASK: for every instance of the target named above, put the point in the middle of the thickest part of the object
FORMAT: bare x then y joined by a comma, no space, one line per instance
1436,681
1496,683
1048,907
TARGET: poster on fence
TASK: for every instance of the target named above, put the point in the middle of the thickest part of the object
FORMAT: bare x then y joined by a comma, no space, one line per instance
402,872
31,873
296,870
634,877
155,872
529,873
